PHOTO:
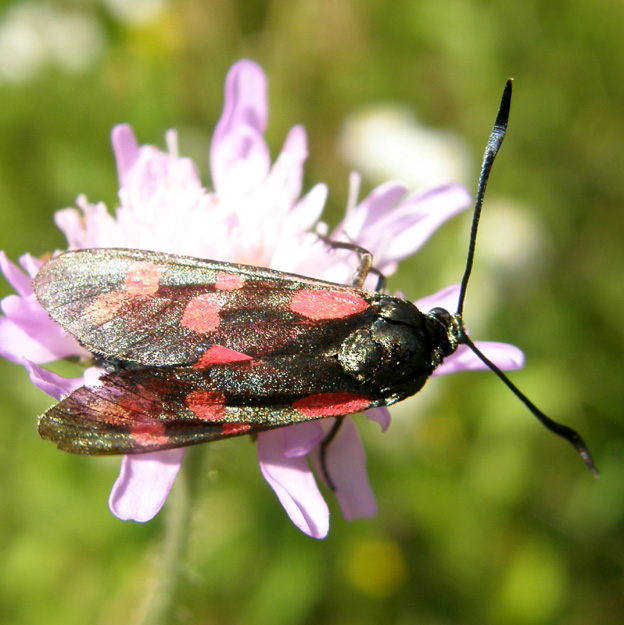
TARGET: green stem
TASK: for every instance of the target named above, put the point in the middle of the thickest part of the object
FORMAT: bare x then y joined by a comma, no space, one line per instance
161,594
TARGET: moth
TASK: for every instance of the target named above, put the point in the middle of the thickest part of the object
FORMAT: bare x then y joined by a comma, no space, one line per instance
198,350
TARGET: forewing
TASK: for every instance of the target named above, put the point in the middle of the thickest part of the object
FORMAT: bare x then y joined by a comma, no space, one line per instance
144,410
160,309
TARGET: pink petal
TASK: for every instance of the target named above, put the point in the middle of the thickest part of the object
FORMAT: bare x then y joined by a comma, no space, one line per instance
30,316
17,346
126,151
28,332
418,217
447,298
92,376
146,177
300,439
393,231
21,283
380,415
30,265
355,183
238,152
346,465
370,211
287,173
144,170
92,226
505,357
143,484
293,483
310,207
51,383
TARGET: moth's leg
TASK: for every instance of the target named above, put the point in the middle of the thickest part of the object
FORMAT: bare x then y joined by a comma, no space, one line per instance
381,280
325,443
364,268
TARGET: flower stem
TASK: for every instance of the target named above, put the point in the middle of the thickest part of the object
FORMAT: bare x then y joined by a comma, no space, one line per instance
160,596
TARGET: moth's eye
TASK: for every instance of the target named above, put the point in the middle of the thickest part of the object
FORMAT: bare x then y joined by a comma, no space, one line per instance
442,315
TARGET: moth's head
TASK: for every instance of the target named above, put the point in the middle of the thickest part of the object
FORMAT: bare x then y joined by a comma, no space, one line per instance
445,330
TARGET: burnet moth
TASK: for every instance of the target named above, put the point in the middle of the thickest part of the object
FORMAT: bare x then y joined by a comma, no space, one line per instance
199,350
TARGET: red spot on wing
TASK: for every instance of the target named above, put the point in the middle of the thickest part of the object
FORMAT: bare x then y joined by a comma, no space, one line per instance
201,314
112,413
206,405
149,434
143,278
315,304
228,281
105,307
331,404
210,406
235,428
218,355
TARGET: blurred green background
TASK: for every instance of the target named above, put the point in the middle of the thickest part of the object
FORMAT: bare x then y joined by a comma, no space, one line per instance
484,516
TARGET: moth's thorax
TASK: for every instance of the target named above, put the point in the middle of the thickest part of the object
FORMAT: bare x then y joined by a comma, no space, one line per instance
399,350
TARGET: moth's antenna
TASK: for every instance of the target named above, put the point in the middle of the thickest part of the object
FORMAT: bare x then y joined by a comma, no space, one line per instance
561,430
491,150
493,145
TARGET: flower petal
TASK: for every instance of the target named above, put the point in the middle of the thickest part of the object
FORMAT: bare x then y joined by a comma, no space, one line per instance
143,484
239,157
293,483
17,346
393,231
146,179
446,298
310,206
380,415
505,357
300,439
360,223
287,173
346,464
51,383
126,151
418,217
20,281
30,264
92,226
27,331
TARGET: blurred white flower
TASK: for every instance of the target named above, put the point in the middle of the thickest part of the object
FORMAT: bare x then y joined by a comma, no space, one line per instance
137,12
511,238
385,141
34,35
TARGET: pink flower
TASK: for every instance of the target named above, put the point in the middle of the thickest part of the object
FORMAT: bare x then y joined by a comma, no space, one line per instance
255,215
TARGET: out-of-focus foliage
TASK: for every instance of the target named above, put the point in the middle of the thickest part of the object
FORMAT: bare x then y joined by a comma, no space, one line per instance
484,516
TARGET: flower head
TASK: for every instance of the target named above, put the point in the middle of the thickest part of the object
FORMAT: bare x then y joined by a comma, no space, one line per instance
255,215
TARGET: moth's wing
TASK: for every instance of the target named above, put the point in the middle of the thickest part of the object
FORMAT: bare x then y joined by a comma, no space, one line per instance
160,309
144,410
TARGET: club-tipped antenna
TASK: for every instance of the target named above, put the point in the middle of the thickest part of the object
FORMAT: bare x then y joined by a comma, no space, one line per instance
491,150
